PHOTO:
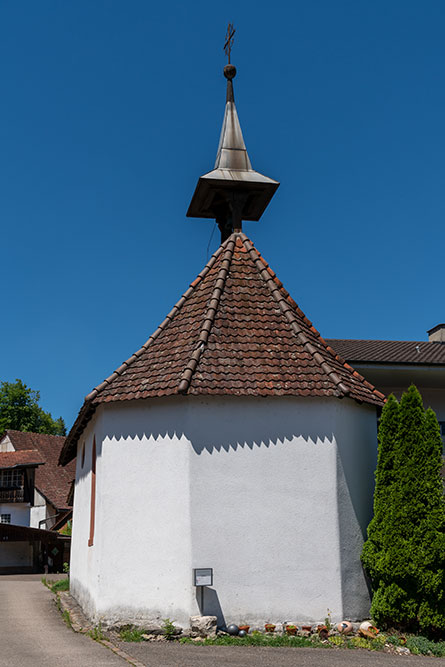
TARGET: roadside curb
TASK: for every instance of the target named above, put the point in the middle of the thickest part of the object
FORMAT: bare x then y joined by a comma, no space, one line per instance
80,623
121,653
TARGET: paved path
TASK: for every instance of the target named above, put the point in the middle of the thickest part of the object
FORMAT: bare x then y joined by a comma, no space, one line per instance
172,654
32,633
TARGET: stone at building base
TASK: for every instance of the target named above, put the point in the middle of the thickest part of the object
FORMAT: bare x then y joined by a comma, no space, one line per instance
204,626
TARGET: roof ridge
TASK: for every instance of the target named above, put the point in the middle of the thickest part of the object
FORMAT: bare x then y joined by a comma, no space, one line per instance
381,340
291,317
209,316
32,433
31,449
168,318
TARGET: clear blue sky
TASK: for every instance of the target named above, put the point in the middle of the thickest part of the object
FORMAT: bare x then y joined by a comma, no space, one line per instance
110,111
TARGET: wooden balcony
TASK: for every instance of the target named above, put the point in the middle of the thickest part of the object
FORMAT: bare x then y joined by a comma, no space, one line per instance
12,495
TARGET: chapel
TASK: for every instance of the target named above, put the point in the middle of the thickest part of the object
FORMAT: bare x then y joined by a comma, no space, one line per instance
235,443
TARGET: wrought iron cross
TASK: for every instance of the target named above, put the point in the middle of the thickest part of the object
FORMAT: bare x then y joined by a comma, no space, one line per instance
229,41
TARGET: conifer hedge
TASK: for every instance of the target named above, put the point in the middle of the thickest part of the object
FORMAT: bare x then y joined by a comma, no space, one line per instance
404,554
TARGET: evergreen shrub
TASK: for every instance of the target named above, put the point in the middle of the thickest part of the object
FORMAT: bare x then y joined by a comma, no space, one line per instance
405,551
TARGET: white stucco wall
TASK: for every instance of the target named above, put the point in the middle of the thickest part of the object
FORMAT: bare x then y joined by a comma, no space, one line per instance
274,494
38,511
6,444
19,513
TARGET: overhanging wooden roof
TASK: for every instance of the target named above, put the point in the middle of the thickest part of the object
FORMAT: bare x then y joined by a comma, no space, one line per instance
12,533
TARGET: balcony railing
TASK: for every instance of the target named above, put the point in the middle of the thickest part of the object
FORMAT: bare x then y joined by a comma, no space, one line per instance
12,495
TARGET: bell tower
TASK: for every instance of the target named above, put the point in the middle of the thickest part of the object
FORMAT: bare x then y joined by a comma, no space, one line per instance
232,191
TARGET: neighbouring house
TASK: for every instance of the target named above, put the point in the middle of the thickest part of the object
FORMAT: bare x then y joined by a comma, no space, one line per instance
392,365
234,444
33,498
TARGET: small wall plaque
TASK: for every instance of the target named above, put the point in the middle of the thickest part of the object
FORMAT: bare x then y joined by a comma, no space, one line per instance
203,576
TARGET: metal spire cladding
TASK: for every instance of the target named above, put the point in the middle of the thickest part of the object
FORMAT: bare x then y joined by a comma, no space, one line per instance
232,191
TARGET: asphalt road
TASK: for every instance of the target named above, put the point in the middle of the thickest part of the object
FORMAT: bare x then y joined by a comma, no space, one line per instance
32,632
172,654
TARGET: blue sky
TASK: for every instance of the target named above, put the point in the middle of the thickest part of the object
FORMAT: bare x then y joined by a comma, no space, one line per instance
110,111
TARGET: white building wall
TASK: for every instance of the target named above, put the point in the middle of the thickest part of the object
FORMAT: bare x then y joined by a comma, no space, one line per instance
39,511
19,512
16,554
274,494
139,565
272,509
6,444
84,568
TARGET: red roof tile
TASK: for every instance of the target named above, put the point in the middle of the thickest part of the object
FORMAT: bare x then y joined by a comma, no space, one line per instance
52,480
390,351
27,457
235,331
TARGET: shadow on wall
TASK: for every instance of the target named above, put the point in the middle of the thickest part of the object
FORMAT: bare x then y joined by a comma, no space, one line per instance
221,424
208,604
228,423
355,489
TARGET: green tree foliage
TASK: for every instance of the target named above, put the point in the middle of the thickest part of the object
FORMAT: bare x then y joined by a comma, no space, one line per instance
405,550
20,411
374,547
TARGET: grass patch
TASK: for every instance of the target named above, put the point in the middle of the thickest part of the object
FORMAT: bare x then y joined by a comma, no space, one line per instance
96,633
56,586
67,618
416,644
422,646
131,634
61,585
256,639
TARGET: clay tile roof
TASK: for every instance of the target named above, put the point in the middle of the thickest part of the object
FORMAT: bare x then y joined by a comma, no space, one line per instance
390,351
25,458
51,480
235,331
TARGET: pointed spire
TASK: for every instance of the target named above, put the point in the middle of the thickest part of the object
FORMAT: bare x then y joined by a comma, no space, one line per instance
232,152
233,191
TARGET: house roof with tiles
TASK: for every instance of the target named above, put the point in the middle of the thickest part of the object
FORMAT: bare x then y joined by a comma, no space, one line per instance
390,351
28,458
51,480
235,331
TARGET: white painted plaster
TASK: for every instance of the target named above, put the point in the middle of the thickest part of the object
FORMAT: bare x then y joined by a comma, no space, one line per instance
6,444
38,511
38,498
274,494
37,514
19,512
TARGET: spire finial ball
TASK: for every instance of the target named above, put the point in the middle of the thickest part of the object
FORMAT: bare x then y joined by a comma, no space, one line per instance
229,72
